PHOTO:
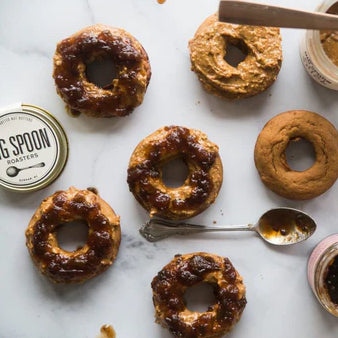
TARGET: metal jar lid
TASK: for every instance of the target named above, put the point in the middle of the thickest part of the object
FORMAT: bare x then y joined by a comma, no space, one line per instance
33,148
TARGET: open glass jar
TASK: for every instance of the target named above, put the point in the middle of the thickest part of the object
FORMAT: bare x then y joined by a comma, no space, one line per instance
320,273
316,62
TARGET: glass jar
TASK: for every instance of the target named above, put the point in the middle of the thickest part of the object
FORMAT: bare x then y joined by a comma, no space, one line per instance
320,259
316,62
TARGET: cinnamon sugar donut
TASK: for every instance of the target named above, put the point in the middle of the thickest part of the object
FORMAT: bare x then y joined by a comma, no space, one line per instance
96,42
253,75
184,271
202,185
94,257
270,158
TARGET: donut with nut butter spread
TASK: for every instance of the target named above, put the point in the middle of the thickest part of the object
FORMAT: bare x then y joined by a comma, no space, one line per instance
94,257
270,157
259,69
200,188
97,42
184,271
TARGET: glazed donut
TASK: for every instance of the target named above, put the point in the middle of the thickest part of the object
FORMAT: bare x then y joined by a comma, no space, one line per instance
270,158
185,271
94,257
251,76
199,190
96,42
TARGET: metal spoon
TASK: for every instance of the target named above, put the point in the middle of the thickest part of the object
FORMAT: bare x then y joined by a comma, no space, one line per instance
251,13
14,171
281,226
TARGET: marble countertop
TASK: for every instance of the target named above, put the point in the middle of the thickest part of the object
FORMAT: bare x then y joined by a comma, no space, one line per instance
280,302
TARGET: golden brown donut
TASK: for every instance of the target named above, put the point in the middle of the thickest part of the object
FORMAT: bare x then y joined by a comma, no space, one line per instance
202,185
270,158
96,42
253,75
185,271
94,257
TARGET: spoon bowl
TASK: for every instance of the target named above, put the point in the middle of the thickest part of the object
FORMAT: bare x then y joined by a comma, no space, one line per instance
12,171
280,226
284,226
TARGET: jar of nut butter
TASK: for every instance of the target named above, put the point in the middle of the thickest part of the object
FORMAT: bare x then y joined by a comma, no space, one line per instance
33,148
323,273
319,50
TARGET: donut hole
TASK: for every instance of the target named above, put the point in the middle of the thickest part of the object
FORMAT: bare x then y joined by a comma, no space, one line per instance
174,172
236,51
200,297
300,154
101,72
72,236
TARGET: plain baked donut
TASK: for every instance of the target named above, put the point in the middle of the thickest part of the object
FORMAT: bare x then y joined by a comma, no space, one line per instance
251,76
185,271
96,42
199,190
270,158
94,257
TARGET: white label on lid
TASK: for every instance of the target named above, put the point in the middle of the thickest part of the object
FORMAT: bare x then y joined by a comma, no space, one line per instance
29,149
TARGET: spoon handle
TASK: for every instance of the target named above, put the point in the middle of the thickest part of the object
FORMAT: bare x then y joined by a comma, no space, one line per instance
249,13
156,229
38,165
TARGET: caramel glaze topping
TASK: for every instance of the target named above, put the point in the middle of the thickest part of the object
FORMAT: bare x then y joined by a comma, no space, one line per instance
171,283
63,267
79,49
179,142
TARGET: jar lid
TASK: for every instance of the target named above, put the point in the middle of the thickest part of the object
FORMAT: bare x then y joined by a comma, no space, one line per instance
33,148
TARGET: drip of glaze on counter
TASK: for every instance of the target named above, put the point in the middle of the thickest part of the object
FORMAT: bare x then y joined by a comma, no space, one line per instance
107,331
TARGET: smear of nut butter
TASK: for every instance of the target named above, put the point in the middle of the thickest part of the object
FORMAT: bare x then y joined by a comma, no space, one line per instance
107,331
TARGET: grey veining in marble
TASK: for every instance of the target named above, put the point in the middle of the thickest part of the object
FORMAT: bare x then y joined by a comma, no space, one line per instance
280,302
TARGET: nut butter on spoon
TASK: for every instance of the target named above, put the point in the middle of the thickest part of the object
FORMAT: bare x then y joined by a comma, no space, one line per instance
280,226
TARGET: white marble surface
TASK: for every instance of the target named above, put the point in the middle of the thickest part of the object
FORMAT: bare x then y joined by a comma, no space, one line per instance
280,302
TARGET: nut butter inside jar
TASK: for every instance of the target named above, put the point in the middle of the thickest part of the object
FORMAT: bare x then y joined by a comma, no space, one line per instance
319,50
329,39
323,273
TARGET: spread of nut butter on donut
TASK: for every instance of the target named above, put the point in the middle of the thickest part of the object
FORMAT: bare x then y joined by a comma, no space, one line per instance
184,271
258,70
331,280
145,175
180,138
329,39
92,43
103,236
